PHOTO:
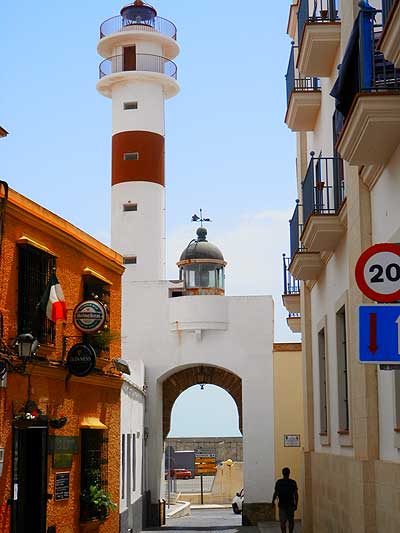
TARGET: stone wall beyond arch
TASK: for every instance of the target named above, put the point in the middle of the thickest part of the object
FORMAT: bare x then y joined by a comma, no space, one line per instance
177,383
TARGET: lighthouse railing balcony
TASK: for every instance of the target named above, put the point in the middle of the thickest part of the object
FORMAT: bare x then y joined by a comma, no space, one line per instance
155,24
323,186
141,62
316,11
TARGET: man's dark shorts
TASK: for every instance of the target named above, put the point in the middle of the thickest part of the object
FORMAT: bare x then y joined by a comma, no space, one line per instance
286,514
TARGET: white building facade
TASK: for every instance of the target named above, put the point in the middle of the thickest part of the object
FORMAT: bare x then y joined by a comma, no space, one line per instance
348,177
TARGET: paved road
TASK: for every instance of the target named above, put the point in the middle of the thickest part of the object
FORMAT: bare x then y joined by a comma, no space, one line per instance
215,520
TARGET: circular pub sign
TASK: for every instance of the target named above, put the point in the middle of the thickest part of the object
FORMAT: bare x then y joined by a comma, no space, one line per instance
90,316
81,360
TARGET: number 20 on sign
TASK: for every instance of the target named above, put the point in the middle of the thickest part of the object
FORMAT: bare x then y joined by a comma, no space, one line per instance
378,272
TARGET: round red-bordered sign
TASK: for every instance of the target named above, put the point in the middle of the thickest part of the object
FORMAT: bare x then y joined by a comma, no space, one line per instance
378,272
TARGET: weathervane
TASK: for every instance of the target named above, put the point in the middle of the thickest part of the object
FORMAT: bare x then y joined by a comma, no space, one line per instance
196,218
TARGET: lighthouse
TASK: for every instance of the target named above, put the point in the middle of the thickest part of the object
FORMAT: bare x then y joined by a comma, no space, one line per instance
138,74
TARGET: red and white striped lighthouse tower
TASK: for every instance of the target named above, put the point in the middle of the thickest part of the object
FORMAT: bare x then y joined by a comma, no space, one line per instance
138,74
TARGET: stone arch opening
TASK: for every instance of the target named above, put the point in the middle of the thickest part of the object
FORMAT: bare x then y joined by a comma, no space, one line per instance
178,382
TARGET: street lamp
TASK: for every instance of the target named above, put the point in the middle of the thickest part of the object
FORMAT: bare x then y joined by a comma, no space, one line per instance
27,345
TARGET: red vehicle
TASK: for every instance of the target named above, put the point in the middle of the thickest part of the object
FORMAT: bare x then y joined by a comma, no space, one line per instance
179,473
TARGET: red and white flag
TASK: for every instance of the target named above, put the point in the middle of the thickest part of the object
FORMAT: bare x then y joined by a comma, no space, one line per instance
53,302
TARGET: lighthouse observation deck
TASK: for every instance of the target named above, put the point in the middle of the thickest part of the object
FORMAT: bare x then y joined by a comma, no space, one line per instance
122,23
142,62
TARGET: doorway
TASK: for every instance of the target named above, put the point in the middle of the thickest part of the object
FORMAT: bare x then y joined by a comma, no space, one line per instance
130,58
29,492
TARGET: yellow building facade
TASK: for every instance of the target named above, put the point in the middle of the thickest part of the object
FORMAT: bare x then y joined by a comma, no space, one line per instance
288,408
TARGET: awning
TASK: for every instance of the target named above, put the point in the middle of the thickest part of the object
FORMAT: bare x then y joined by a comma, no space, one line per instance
91,422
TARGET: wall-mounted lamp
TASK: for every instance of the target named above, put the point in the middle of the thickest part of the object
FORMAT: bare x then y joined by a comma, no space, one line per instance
27,346
122,366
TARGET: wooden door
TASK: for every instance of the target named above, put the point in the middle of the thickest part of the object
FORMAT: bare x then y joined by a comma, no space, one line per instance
130,58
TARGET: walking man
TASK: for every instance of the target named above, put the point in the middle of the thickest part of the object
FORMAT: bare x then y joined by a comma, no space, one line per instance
288,496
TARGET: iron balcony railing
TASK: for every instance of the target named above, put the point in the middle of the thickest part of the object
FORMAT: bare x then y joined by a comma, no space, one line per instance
290,284
323,187
294,84
295,231
386,7
376,73
119,23
142,62
316,11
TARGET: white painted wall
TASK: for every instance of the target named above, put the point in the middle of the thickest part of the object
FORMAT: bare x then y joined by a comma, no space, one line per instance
132,423
150,113
325,297
385,202
244,348
139,233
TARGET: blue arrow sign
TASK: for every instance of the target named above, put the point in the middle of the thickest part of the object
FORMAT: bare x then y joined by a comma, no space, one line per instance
379,334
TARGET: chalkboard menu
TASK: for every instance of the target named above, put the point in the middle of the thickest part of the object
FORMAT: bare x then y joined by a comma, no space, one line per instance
62,486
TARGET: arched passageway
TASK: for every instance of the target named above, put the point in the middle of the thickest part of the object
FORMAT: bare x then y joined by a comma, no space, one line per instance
177,383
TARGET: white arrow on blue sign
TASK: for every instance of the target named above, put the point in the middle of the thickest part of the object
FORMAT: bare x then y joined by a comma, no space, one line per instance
379,334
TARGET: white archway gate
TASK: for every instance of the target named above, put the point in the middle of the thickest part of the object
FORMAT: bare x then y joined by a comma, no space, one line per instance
230,336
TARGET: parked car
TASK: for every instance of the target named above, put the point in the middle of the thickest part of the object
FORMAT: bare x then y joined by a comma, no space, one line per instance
179,473
237,502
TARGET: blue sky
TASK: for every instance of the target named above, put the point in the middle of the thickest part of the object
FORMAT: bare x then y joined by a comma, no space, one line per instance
228,149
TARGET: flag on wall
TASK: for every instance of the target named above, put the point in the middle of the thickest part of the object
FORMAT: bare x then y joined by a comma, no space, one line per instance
53,302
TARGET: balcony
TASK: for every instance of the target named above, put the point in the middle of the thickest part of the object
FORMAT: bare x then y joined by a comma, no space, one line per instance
323,198
389,43
137,23
124,23
291,289
368,97
304,265
144,67
141,63
319,37
294,322
303,99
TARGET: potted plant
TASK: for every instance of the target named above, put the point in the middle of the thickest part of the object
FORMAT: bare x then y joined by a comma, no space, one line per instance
96,504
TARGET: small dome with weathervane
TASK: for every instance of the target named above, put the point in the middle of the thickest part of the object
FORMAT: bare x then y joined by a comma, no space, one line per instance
200,248
202,267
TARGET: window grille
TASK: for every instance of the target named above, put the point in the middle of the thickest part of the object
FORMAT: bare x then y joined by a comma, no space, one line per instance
34,269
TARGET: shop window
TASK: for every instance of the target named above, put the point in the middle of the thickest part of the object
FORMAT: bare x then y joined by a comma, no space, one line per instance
96,288
94,469
342,368
34,269
323,395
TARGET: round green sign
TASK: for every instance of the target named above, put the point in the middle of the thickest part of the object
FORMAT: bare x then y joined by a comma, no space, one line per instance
90,316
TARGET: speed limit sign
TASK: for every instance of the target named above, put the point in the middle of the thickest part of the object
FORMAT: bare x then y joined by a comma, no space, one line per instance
378,272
